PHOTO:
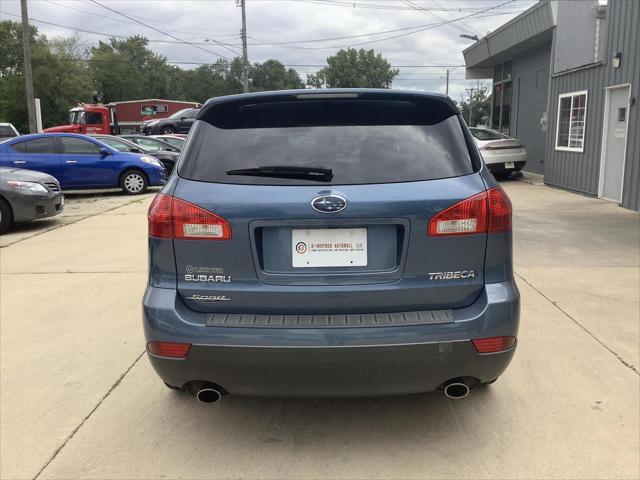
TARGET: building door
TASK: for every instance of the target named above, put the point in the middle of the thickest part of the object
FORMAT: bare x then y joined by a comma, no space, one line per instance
614,142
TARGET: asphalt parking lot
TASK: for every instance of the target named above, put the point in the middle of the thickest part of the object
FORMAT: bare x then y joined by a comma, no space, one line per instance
79,399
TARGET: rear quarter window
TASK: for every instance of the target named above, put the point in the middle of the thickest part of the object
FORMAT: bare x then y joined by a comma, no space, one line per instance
362,143
34,146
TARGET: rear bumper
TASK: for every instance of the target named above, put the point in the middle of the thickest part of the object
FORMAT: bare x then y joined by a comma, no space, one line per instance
343,362
502,168
491,158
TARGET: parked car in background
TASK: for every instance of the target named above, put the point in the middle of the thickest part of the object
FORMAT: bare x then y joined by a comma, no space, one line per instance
151,144
7,130
176,141
502,154
167,158
179,122
346,242
79,161
26,195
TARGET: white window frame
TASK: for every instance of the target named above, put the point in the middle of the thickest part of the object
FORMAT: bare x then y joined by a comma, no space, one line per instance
584,127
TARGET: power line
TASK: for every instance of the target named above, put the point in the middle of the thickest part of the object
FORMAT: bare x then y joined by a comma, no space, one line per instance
182,62
451,16
93,32
382,6
418,28
160,31
428,27
119,20
437,17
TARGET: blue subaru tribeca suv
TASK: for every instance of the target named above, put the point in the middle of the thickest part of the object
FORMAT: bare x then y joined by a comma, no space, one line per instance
330,243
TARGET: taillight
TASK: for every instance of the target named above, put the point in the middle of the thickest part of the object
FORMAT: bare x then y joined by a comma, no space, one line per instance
493,344
488,211
191,221
463,218
169,349
499,210
171,217
160,216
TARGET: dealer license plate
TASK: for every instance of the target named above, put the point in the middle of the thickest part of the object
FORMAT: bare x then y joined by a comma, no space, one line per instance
329,247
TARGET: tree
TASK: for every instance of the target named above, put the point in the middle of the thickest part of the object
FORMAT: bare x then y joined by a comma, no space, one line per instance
272,75
129,70
354,68
60,76
204,82
481,103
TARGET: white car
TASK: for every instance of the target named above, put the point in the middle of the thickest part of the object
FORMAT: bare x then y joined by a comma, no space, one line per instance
501,153
7,130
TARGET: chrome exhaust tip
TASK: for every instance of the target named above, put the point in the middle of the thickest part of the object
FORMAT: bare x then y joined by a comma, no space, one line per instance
456,390
209,395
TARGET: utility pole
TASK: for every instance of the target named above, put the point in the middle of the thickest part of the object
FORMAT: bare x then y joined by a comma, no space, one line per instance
245,56
447,87
470,90
28,74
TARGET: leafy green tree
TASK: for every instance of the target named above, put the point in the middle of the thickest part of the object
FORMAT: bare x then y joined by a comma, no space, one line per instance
128,70
273,75
60,76
205,82
354,68
481,103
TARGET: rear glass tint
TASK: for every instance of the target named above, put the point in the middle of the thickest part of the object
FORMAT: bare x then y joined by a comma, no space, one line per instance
6,131
361,142
36,145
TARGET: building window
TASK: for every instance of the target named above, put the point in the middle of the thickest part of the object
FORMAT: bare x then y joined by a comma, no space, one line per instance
572,114
501,98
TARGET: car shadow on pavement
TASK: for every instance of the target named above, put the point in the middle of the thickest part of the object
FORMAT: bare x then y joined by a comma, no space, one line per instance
346,421
33,226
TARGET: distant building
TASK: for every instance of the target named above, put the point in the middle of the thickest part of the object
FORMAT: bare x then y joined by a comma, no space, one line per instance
565,81
132,113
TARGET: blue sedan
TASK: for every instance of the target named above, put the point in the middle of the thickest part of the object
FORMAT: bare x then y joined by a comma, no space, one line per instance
78,162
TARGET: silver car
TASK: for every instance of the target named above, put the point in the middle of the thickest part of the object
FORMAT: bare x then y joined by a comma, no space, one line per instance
26,195
502,154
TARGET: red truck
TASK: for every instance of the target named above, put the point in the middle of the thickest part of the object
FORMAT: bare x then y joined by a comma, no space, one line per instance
118,118
90,119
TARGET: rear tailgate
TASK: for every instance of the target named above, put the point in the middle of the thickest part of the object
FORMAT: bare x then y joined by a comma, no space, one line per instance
396,160
406,269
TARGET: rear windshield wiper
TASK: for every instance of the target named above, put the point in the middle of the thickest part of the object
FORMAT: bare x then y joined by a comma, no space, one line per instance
318,174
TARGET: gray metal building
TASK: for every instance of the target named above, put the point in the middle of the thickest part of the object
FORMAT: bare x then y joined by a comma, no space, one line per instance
565,80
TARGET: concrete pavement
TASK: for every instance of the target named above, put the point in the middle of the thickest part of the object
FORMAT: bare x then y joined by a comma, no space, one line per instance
79,400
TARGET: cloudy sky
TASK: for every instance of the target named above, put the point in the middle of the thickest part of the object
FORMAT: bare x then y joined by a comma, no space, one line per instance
422,37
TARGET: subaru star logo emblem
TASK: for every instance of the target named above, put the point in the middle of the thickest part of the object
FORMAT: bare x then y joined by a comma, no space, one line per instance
329,203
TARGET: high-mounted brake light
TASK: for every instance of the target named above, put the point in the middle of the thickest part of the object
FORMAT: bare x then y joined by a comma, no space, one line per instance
493,344
488,211
171,217
169,349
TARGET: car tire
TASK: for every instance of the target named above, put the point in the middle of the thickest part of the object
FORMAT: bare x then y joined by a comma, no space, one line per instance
133,182
6,216
168,130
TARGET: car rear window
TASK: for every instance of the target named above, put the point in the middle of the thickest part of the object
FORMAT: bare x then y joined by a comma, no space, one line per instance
35,145
482,134
361,142
6,131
